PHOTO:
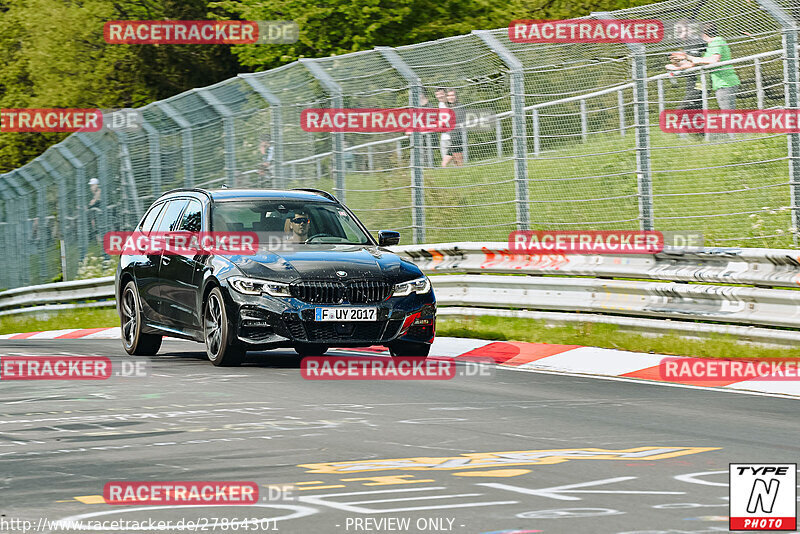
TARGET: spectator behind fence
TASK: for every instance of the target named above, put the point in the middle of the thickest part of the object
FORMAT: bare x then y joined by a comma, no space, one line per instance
694,45
724,81
95,207
455,152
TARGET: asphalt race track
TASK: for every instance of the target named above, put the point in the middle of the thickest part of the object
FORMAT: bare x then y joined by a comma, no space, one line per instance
62,441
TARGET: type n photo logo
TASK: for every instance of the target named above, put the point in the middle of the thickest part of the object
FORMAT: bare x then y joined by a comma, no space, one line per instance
763,496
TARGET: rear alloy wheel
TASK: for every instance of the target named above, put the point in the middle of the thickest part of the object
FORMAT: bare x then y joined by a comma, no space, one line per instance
409,348
222,347
309,349
130,316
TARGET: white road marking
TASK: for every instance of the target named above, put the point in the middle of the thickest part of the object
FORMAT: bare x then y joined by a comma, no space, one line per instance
556,492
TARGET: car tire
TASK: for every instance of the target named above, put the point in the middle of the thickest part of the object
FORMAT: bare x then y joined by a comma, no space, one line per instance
222,347
134,341
310,349
409,349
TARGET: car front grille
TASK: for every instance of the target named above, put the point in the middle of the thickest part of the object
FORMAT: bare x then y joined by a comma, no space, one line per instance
329,332
354,292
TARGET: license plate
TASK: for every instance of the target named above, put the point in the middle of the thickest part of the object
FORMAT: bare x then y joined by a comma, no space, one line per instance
345,314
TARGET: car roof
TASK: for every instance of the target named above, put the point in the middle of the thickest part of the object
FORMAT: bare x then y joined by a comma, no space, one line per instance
247,194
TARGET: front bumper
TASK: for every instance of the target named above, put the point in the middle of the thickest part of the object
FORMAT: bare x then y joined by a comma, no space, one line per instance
270,322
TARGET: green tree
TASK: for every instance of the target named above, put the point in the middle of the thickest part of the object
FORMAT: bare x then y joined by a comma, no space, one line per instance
54,55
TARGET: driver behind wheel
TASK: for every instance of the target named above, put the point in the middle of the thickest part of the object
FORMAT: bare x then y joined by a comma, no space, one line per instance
299,225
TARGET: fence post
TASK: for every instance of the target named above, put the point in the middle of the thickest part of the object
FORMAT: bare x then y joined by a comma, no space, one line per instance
791,62
621,105
127,178
335,92
417,143
642,128
9,273
80,191
660,89
154,149
276,117
62,206
759,83
584,122
41,214
517,80
186,137
498,136
641,115
704,98
102,171
22,274
229,133
535,127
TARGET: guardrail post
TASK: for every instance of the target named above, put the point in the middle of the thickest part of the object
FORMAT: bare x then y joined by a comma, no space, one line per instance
517,79
335,92
641,115
276,118
102,171
229,132
417,143
186,137
80,191
791,82
41,214
62,207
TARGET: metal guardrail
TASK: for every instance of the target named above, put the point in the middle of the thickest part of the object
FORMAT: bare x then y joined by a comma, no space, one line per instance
94,292
731,287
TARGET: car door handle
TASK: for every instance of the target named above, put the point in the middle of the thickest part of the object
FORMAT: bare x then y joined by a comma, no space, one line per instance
165,260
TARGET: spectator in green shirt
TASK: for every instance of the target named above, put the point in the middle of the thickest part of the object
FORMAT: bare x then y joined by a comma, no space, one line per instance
724,81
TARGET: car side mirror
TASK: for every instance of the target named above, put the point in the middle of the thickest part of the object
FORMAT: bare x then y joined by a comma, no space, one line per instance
387,238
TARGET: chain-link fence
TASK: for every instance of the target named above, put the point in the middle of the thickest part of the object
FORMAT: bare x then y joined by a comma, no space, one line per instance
574,142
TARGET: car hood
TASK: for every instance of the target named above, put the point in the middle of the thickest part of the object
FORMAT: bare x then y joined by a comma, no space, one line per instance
322,262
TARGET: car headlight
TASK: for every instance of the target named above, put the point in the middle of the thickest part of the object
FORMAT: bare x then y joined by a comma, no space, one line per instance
253,286
420,286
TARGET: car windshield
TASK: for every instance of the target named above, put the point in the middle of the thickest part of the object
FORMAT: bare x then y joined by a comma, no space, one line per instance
300,222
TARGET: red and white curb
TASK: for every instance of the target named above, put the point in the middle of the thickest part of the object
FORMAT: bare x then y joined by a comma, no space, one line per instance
571,359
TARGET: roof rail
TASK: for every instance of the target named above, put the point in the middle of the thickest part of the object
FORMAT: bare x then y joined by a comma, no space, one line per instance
180,189
317,191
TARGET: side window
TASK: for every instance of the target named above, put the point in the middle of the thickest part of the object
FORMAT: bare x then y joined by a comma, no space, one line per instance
150,219
191,219
172,213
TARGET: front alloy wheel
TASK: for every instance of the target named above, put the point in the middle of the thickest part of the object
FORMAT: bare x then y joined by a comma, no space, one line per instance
130,315
221,345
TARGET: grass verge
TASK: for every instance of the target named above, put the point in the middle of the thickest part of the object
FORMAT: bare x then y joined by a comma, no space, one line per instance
604,335
494,328
38,322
